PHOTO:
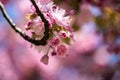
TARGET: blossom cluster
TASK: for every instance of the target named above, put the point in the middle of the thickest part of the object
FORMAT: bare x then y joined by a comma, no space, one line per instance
60,32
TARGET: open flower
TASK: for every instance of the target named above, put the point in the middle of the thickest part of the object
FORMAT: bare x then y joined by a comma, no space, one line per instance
59,16
54,14
60,30
36,26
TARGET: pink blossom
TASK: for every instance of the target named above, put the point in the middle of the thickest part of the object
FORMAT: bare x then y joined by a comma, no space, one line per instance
55,14
55,41
59,16
36,26
33,9
29,24
53,53
44,1
62,50
63,34
45,59
59,28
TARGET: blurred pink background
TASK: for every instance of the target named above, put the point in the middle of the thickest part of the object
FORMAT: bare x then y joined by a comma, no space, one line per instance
88,58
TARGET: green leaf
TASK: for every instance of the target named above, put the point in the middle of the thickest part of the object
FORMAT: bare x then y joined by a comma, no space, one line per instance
66,40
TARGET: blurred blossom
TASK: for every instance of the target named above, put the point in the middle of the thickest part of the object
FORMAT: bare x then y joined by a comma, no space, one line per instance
118,40
7,70
102,56
85,76
95,10
116,76
44,1
88,28
2,32
24,5
114,59
5,1
87,38
67,73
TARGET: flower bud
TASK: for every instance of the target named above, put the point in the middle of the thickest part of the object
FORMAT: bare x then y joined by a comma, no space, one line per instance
45,59
63,34
62,50
53,53
55,41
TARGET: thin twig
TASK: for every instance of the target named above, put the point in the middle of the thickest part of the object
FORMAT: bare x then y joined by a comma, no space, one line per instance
43,41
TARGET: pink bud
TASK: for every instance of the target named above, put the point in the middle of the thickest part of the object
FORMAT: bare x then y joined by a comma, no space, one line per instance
55,41
29,23
63,34
45,59
53,53
54,7
61,50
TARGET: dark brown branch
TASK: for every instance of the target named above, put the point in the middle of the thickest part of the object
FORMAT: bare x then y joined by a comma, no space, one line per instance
43,41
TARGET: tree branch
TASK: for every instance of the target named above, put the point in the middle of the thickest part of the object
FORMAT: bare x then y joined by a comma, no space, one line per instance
43,41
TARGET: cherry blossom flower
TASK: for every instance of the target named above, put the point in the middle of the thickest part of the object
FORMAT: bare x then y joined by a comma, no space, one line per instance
62,50
55,41
63,34
54,14
60,18
36,26
60,29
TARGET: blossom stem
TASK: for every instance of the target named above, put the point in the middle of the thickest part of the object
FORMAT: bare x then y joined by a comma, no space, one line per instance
43,41
48,50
